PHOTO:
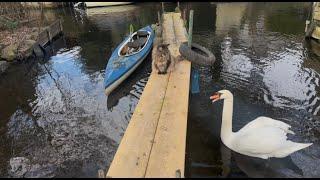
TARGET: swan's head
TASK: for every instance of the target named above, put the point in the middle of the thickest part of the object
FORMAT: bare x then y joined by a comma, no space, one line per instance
222,94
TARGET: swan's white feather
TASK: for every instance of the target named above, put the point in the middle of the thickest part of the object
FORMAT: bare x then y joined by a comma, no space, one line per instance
263,137
266,121
258,141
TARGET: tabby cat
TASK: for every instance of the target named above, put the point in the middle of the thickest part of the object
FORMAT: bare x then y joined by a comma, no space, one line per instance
161,58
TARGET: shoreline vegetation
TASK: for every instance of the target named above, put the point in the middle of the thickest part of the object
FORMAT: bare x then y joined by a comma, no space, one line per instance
20,26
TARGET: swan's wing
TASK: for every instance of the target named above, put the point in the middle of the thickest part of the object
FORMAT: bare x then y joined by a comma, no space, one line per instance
259,141
266,121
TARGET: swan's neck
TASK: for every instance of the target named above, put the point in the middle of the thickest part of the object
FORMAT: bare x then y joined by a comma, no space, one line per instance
226,126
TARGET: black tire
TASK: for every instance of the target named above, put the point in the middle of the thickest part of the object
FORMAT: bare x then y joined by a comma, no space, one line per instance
205,58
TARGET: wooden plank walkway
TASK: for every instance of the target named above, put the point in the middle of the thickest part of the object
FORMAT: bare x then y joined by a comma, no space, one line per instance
155,140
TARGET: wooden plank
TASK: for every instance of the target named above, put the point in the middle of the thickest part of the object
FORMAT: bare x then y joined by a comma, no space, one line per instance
168,152
181,33
316,33
49,35
46,35
154,142
167,158
133,153
55,29
316,16
58,27
168,30
43,38
316,11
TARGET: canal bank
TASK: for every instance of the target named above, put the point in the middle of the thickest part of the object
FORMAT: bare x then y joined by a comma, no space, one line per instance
24,32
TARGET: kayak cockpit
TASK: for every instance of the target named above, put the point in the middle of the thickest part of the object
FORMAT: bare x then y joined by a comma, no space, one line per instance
136,42
127,57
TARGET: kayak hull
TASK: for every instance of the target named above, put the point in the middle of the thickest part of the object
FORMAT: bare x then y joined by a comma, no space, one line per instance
120,67
114,85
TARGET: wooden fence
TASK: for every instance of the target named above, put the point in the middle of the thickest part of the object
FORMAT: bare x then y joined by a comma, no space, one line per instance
50,32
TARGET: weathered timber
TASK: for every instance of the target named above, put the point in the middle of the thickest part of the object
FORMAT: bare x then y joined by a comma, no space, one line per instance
155,139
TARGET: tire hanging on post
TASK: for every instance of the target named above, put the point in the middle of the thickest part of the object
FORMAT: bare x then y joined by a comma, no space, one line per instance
197,54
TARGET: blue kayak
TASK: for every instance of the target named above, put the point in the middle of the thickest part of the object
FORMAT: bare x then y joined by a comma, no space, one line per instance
127,57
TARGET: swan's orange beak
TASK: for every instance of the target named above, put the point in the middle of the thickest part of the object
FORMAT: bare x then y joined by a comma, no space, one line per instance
215,97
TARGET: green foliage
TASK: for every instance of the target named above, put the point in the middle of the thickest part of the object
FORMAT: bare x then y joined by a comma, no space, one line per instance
7,24
12,25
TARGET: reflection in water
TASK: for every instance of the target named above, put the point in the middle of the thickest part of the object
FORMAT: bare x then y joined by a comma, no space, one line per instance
258,168
271,72
124,10
113,18
229,15
133,85
55,120
273,168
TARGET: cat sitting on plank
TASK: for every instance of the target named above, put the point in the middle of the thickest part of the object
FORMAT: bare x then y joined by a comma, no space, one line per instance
162,60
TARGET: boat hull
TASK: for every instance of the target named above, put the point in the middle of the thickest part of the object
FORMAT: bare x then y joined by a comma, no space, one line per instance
113,86
105,4
115,74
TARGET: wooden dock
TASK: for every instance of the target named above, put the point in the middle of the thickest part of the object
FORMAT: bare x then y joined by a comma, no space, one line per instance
50,32
155,140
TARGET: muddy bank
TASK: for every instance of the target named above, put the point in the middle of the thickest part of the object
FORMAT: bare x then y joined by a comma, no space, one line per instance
22,28
18,45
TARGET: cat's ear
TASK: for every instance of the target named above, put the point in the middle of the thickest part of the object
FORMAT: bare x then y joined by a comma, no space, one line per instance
166,45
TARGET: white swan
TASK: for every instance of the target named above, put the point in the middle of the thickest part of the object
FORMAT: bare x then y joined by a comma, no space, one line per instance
263,137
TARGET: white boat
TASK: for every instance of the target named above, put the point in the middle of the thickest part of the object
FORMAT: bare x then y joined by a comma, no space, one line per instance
100,4
124,10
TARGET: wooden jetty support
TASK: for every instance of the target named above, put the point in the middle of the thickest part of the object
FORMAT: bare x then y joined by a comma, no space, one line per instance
155,140
43,38
50,32
46,36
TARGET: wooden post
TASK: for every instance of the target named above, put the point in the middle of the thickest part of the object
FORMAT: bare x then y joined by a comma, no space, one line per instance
310,25
177,9
184,17
190,28
159,18
48,35
50,38
60,24
101,174
162,7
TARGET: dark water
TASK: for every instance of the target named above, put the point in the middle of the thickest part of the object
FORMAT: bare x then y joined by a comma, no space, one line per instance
264,60
55,120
